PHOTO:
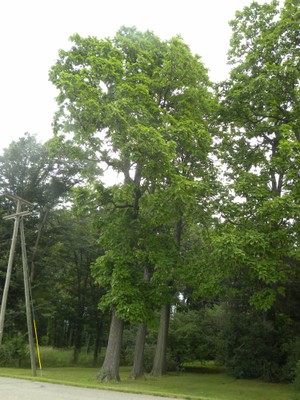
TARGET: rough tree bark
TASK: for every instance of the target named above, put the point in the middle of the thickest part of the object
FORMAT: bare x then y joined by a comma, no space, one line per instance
110,368
160,359
138,362
160,362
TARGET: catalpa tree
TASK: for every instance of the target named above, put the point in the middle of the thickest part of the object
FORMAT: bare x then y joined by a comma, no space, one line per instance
141,107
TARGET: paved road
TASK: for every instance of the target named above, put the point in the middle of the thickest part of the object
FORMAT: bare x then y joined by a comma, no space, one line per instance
18,389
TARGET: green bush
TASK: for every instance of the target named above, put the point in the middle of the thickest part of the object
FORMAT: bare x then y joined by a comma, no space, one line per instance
296,383
251,346
193,335
14,351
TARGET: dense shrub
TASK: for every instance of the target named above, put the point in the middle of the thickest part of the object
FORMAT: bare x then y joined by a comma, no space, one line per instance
297,381
252,346
193,335
14,351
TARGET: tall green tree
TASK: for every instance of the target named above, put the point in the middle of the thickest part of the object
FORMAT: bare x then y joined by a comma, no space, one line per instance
31,171
261,144
259,236
140,106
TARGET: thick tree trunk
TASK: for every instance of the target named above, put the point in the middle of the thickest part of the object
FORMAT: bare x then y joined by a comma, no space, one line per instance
138,362
111,364
160,362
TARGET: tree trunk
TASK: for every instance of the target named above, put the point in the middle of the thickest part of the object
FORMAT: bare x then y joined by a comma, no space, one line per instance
110,367
77,340
97,340
160,363
76,354
138,362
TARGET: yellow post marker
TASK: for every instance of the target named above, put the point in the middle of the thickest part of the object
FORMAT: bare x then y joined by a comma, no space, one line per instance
37,346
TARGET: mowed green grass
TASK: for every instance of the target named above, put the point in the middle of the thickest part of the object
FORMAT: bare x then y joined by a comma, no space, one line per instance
189,385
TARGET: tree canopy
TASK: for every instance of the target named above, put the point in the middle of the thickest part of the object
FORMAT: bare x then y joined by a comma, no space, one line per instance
202,227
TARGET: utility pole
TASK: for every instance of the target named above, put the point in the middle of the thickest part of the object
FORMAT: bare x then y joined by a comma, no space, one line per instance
19,224
27,299
9,269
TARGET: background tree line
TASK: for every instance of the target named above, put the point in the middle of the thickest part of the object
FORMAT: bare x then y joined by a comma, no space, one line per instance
195,254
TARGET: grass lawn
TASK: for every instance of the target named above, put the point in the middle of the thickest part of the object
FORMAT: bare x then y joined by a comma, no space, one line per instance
190,385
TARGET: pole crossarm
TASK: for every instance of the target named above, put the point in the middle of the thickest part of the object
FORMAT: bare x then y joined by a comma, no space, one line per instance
17,198
19,202
20,214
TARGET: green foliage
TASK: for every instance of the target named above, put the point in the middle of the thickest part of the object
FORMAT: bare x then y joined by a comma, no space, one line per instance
259,144
193,335
254,345
290,371
297,382
143,107
14,351
29,170
63,358
68,309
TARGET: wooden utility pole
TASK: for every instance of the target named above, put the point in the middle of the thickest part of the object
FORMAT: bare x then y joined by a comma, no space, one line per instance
19,224
27,299
9,269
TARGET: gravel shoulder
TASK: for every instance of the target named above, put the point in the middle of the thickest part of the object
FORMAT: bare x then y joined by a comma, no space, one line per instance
19,389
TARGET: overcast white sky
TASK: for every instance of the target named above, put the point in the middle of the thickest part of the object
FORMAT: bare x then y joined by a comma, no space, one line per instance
32,32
